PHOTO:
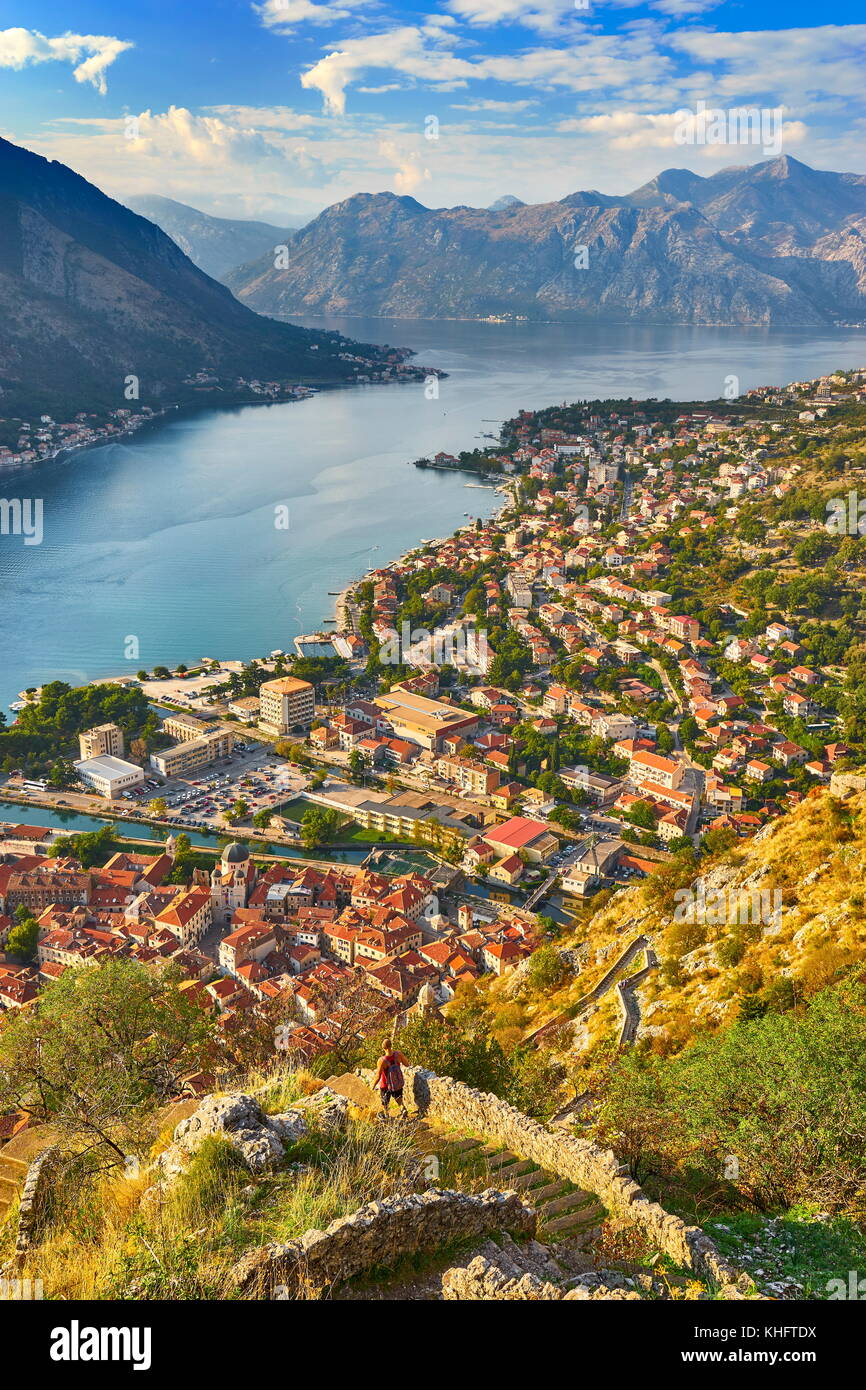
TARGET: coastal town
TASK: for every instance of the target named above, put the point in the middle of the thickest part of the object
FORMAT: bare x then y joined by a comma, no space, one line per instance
546,706
24,443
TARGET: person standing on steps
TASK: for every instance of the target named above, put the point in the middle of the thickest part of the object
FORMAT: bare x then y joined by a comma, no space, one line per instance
389,1079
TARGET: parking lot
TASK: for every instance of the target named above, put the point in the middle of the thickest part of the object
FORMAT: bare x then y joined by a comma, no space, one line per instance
253,774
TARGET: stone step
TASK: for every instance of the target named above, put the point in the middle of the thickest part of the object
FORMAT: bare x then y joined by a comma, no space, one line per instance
575,1221
461,1146
552,1189
516,1170
569,1202
530,1183
8,1188
497,1158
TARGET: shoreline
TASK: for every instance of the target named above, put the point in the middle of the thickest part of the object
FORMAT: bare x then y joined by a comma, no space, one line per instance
339,609
192,408
576,322
341,599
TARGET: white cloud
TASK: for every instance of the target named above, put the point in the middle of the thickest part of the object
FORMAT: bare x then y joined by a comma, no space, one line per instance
90,53
403,50
636,130
284,15
592,62
201,139
490,105
408,172
545,16
792,64
678,8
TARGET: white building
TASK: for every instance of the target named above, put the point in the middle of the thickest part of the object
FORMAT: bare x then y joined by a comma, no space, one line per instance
109,776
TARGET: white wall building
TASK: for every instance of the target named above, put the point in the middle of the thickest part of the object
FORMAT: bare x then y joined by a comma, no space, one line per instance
109,776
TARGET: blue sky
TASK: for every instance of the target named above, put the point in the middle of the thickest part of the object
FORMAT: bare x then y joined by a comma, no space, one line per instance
282,107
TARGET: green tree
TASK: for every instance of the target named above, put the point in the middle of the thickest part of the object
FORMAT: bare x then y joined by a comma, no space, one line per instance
90,848
546,970
100,1050
357,765
22,938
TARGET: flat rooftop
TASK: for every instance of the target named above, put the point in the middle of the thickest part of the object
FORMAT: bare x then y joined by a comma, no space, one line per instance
417,710
107,766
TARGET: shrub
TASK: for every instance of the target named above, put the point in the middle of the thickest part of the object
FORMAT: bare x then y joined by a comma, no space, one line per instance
785,1093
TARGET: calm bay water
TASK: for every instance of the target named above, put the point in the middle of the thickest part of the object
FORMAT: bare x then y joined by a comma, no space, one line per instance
171,538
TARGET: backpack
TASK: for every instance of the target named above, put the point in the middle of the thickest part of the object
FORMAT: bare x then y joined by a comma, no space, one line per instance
392,1074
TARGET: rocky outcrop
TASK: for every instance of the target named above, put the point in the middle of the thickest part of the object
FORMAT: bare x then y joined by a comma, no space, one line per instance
379,1234
260,1139
842,784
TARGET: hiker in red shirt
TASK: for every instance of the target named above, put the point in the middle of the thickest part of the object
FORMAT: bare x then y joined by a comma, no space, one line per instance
389,1079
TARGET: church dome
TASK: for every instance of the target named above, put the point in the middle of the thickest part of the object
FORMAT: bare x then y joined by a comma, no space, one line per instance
427,996
235,853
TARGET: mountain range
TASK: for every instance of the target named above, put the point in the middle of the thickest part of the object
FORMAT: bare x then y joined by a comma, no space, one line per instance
91,292
776,243
215,244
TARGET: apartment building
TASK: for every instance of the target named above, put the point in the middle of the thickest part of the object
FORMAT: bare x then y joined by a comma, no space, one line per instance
188,757
185,728
285,703
474,778
103,740
519,590
650,767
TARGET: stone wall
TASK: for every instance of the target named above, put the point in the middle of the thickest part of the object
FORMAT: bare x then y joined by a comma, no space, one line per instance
483,1281
452,1105
379,1234
34,1193
843,783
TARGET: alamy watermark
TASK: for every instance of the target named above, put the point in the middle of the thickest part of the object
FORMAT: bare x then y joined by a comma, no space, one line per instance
22,516
729,907
739,125
853,1288
21,1290
846,516
77,1343
461,647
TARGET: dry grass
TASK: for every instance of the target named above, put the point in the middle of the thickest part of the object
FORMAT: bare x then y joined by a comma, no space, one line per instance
815,856
120,1237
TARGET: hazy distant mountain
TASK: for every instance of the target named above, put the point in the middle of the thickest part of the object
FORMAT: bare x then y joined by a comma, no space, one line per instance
215,244
508,200
91,292
775,243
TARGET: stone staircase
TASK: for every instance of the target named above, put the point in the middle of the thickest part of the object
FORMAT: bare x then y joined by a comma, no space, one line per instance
565,1212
